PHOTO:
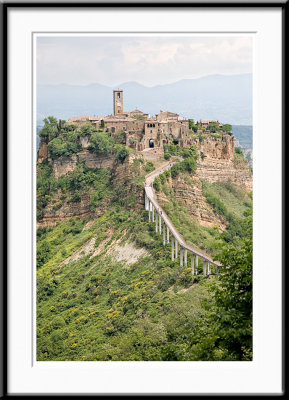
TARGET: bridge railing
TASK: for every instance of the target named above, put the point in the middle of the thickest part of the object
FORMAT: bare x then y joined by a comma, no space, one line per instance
152,205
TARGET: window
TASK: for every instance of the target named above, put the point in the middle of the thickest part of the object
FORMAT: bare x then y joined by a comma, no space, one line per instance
118,95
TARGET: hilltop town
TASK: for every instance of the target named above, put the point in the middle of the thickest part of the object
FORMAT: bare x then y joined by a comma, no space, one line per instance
143,131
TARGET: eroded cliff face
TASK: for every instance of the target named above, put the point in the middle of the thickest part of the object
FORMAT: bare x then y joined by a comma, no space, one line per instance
61,207
219,163
217,148
126,178
188,190
58,209
64,165
216,163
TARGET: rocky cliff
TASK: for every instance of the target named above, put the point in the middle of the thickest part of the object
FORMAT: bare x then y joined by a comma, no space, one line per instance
189,192
124,178
218,162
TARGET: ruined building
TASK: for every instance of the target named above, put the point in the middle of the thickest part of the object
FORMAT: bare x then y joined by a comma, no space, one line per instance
142,131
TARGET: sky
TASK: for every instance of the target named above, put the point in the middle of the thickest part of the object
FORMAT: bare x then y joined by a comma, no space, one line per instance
148,60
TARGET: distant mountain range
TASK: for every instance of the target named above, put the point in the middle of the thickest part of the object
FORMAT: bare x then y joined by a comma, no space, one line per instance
227,98
244,133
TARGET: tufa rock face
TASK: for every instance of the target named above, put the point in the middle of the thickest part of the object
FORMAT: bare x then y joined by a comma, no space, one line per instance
42,152
189,192
64,165
122,179
217,148
218,163
59,209
224,171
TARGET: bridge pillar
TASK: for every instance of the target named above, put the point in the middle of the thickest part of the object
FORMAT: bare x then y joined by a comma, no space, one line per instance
149,208
186,257
172,241
197,264
193,263
153,213
160,223
217,269
164,233
156,221
168,235
146,202
204,267
176,248
209,268
181,256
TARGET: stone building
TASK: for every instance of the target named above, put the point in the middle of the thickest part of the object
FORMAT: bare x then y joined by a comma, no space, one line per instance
142,131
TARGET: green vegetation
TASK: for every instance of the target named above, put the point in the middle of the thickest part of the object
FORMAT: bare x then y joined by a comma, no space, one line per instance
239,157
227,128
96,308
216,135
63,139
100,143
192,125
94,305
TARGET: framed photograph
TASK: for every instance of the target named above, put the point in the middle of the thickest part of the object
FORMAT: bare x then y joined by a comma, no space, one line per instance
145,172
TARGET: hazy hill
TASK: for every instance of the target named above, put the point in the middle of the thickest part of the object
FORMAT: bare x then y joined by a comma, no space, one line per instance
244,133
227,98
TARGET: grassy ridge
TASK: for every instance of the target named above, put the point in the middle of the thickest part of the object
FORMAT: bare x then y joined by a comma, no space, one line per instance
100,309
90,306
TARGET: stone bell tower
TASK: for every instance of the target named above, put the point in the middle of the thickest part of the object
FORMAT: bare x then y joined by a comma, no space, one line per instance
117,102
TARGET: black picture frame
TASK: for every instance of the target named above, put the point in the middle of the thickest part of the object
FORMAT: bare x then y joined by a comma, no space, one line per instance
4,9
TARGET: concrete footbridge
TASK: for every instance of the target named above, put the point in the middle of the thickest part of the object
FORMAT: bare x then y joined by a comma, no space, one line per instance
164,226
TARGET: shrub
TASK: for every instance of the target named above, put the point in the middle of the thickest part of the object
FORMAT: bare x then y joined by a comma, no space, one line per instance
157,184
190,165
100,143
167,156
149,166
162,178
122,153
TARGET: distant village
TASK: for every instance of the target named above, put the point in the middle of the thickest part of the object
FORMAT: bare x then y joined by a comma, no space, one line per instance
144,131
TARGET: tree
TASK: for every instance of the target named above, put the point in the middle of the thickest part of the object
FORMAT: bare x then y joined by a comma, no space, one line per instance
227,128
100,143
49,130
233,297
102,124
86,129
122,153
191,123
238,150
225,331
213,127
157,184
190,165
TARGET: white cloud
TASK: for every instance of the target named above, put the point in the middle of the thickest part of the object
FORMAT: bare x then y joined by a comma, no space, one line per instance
147,60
